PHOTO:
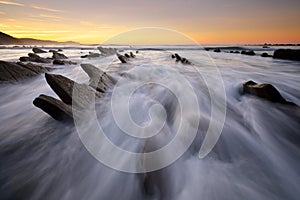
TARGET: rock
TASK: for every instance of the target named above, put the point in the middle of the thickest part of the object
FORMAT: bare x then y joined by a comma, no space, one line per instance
132,55
58,56
34,58
249,53
65,88
122,58
173,56
54,107
24,59
52,51
10,71
59,50
63,62
185,61
126,55
287,54
91,55
38,50
265,91
178,58
265,55
99,80
107,51
265,46
217,50
136,51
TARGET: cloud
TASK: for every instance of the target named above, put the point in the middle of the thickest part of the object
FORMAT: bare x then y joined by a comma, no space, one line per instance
11,3
30,6
46,9
2,13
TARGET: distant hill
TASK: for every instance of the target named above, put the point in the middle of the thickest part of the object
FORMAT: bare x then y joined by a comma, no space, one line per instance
6,39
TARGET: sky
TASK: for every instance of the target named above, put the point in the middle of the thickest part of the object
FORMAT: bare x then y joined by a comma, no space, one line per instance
204,21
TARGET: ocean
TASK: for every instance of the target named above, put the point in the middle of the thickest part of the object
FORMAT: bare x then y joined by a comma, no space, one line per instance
256,156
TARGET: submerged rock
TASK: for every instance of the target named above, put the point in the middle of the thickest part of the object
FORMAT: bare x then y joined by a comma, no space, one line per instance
132,55
53,51
10,71
63,62
54,107
38,50
58,56
265,91
178,57
217,50
249,53
265,55
127,55
182,60
287,54
91,55
122,58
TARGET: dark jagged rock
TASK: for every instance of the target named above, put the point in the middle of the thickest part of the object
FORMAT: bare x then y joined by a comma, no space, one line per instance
132,55
173,56
91,55
248,53
65,88
58,56
34,58
53,51
265,91
265,46
122,58
74,96
24,59
35,68
136,51
265,55
178,57
63,62
127,55
182,60
54,107
38,50
59,50
217,50
185,61
10,71
287,54
99,80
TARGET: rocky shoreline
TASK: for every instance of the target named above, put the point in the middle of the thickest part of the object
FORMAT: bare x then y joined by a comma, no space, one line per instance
100,81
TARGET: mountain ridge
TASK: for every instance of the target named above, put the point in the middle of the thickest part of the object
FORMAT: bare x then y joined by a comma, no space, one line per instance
6,39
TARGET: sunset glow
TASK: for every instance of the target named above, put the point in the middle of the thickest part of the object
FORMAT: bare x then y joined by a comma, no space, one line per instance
207,22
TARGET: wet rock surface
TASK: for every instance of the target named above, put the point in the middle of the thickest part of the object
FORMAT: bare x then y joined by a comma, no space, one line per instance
265,91
11,71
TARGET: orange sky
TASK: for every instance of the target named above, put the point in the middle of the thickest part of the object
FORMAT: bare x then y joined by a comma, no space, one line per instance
205,21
